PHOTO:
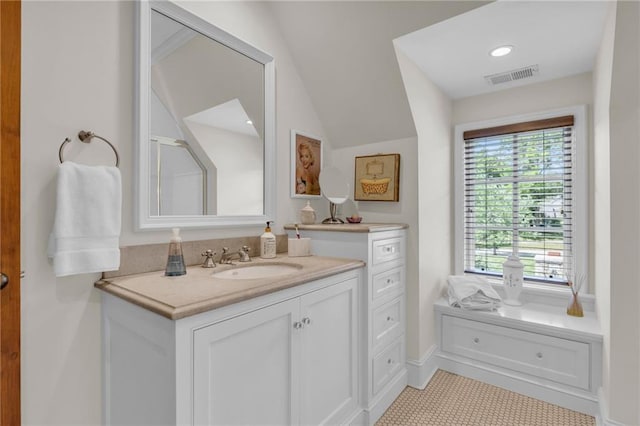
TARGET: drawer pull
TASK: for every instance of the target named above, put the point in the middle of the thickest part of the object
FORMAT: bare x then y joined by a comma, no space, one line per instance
306,321
389,249
476,340
389,281
389,361
297,325
389,318
539,355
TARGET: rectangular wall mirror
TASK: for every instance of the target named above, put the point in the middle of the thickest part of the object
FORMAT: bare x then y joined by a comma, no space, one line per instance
206,124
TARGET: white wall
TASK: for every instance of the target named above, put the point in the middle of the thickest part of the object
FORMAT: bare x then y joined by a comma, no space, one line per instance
162,122
78,73
404,211
601,187
431,111
239,163
537,97
181,182
624,144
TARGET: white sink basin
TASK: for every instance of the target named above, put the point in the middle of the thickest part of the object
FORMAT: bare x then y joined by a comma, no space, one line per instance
249,272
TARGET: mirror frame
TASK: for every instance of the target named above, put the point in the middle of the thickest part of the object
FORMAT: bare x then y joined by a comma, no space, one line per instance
143,219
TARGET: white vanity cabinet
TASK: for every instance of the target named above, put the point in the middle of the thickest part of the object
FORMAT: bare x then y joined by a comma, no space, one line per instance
286,358
382,301
289,363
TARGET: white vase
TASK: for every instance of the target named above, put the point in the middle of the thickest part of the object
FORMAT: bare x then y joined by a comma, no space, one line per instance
512,273
307,215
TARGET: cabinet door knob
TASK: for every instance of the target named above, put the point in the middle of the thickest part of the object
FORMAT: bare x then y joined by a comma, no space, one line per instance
306,320
539,355
389,318
389,361
297,325
476,340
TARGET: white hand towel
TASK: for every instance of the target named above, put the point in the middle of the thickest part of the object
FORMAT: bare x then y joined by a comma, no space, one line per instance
472,292
86,230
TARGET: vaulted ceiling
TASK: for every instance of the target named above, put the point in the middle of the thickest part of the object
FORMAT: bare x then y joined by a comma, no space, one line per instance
345,54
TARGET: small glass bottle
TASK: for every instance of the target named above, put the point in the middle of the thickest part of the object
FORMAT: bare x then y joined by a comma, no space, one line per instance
175,259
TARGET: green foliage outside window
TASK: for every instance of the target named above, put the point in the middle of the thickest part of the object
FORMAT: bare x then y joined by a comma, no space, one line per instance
516,184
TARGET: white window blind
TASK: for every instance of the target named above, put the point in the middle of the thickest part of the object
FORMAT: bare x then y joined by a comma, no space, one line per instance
518,186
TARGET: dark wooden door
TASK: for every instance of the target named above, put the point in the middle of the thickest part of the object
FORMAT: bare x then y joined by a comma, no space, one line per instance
10,47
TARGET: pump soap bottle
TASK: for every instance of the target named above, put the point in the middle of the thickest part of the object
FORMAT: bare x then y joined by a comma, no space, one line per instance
267,243
175,260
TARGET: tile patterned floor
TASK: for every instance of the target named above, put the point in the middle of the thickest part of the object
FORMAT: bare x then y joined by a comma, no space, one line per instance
455,400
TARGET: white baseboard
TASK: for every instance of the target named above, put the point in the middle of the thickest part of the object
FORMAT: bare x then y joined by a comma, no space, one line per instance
421,371
386,397
358,419
602,419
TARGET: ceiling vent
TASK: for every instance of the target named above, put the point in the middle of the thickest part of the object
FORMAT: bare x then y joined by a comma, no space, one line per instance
513,75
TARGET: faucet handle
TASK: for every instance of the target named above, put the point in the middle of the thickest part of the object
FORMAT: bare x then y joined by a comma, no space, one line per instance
244,254
208,259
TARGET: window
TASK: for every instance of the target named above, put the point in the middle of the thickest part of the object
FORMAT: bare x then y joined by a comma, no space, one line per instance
520,190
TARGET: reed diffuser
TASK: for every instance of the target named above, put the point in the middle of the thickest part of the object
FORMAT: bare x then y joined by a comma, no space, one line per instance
575,307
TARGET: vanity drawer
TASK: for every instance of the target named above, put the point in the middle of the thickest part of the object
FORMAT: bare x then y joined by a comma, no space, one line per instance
387,249
552,358
386,365
387,284
387,323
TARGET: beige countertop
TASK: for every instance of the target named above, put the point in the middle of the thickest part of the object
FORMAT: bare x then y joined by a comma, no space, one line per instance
198,291
349,227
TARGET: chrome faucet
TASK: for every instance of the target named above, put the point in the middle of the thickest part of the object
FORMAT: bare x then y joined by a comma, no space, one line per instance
243,255
208,259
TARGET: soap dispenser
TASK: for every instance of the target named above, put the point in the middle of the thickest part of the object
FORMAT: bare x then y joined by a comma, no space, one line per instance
268,243
175,260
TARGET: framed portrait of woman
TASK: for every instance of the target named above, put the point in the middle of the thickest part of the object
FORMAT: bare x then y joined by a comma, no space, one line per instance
306,163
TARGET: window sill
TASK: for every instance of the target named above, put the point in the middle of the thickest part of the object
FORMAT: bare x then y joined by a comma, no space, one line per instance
545,294
532,317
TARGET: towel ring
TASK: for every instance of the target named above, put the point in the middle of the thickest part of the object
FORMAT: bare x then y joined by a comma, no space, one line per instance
86,136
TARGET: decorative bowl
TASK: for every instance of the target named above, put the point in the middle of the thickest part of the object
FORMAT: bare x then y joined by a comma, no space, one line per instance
354,219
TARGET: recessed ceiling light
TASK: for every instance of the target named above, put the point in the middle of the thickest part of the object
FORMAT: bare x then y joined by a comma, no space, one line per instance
501,51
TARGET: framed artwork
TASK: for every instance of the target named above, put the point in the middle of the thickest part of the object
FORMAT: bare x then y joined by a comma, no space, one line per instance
306,163
377,178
